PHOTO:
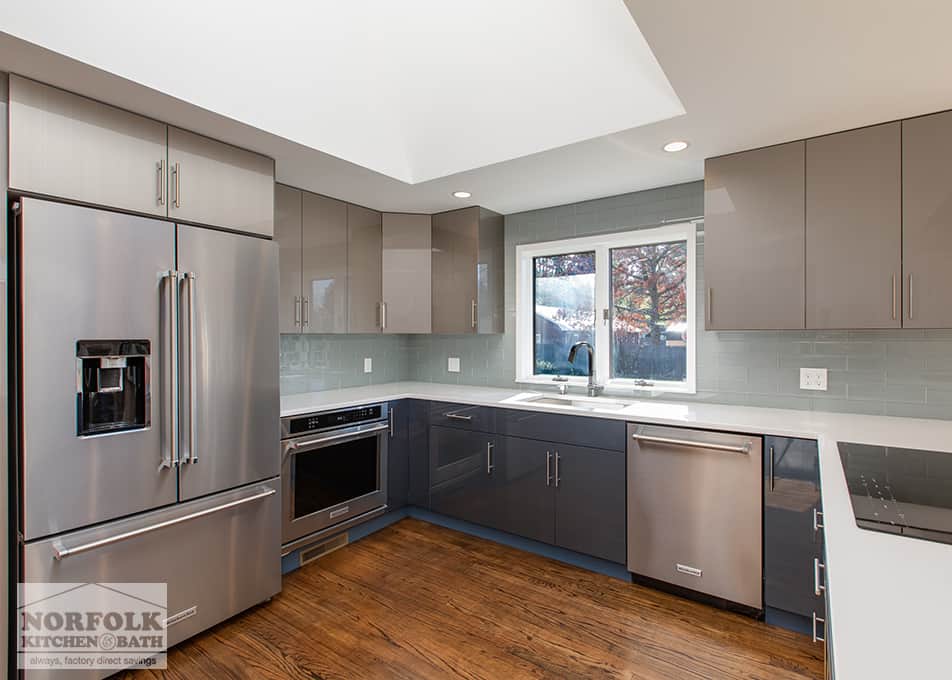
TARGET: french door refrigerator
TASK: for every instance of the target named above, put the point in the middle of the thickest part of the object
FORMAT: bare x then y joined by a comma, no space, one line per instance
148,409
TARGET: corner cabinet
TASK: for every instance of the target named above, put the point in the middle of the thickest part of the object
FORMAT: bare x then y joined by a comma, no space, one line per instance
407,253
467,271
324,246
754,238
364,262
67,146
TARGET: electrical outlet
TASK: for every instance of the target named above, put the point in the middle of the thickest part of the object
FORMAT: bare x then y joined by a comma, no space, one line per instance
368,365
452,364
813,379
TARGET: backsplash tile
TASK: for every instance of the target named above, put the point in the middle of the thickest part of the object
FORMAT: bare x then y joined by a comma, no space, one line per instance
892,372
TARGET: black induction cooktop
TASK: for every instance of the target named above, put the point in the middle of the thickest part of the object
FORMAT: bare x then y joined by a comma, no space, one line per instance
900,491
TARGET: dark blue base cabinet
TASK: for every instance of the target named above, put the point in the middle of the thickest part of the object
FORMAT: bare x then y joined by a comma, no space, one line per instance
556,492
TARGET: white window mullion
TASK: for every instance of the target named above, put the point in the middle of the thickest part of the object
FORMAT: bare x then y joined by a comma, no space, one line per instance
602,326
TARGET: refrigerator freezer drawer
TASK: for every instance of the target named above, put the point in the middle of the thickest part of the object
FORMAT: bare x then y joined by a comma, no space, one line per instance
220,555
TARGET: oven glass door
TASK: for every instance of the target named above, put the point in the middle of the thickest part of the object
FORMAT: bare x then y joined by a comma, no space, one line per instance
335,474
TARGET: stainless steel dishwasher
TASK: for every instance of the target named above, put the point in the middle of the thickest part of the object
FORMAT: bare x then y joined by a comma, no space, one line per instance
695,512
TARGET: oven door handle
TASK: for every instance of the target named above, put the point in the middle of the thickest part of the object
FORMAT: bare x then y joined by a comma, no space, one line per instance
295,446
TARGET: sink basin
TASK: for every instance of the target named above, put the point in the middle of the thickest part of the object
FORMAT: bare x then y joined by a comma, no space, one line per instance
582,403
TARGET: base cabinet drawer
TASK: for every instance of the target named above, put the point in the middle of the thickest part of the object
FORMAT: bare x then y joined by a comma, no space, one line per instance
462,416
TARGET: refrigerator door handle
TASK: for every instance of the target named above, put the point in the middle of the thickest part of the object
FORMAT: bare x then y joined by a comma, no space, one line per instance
170,279
190,277
60,551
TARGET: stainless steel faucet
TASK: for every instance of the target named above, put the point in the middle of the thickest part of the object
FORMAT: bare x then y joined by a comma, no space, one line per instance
593,389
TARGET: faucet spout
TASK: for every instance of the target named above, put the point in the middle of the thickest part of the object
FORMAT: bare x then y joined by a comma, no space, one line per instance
594,389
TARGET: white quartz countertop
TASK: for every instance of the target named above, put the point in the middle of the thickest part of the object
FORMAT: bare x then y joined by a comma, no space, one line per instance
890,597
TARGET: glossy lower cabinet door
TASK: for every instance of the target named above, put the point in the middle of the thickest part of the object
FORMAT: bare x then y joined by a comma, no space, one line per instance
364,261
71,147
407,251
927,221
854,229
398,455
418,435
463,480
754,239
324,264
218,184
288,235
791,496
590,506
526,488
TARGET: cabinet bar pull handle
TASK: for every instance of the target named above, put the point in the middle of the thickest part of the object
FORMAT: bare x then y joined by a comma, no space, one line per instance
306,311
909,311
177,186
383,315
489,458
816,620
160,181
548,468
770,468
894,296
456,416
390,412
297,310
710,305
818,587
558,478
474,313
817,514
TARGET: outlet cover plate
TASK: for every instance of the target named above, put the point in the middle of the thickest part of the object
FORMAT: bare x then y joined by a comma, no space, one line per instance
813,379
368,365
452,364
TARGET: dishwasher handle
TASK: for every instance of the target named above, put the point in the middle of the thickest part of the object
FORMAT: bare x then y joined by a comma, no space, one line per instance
711,446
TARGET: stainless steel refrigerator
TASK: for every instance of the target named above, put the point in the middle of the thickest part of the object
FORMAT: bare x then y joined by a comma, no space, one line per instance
148,407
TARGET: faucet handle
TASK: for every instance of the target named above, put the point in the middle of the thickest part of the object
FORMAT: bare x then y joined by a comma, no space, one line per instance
560,378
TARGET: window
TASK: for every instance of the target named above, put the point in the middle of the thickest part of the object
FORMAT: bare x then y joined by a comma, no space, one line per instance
630,295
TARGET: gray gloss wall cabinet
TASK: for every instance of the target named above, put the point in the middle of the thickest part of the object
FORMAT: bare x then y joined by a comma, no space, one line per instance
927,221
218,184
67,146
72,147
754,232
364,262
467,271
854,229
407,253
324,243
288,235
791,496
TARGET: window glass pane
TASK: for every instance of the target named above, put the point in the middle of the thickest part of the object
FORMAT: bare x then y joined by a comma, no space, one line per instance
649,312
564,297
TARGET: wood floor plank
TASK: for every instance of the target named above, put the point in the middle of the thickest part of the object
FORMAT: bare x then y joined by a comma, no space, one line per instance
417,600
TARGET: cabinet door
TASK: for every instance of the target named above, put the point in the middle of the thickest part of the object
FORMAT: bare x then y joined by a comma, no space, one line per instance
287,233
455,248
72,147
398,455
754,239
219,184
418,433
854,229
791,494
490,273
927,221
407,251
462,484
324,264
364,252
590,515
525,469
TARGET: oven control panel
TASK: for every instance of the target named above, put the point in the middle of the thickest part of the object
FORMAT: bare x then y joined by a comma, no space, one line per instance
332,419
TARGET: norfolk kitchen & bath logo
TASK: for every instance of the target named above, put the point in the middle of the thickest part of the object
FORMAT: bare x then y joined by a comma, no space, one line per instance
91,625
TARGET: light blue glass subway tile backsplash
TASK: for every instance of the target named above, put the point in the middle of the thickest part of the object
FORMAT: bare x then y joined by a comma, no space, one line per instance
892,372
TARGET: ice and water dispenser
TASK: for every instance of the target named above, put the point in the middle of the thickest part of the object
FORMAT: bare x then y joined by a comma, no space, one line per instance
112,394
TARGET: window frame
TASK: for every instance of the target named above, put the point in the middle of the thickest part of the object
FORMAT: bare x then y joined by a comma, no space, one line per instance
602,245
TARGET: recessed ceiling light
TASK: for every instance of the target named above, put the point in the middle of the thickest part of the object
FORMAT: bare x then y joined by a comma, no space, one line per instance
675,146
462,194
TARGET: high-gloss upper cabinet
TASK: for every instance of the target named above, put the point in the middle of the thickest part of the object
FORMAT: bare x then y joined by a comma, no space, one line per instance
324,264
467,272
407,247
927,221
791,539
68,146
219,184
288,235
364,262
854,229
754,239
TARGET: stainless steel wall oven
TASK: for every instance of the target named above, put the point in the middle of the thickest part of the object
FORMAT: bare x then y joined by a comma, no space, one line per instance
334,468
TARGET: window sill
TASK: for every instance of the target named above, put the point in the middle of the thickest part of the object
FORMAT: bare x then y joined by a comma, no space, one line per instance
614,388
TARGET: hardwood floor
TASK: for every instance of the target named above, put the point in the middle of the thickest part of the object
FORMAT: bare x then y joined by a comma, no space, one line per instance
420,601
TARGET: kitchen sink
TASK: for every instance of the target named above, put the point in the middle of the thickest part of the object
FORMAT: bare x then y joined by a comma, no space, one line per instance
582,403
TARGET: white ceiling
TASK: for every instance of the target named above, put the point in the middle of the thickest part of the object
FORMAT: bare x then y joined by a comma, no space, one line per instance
747,73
